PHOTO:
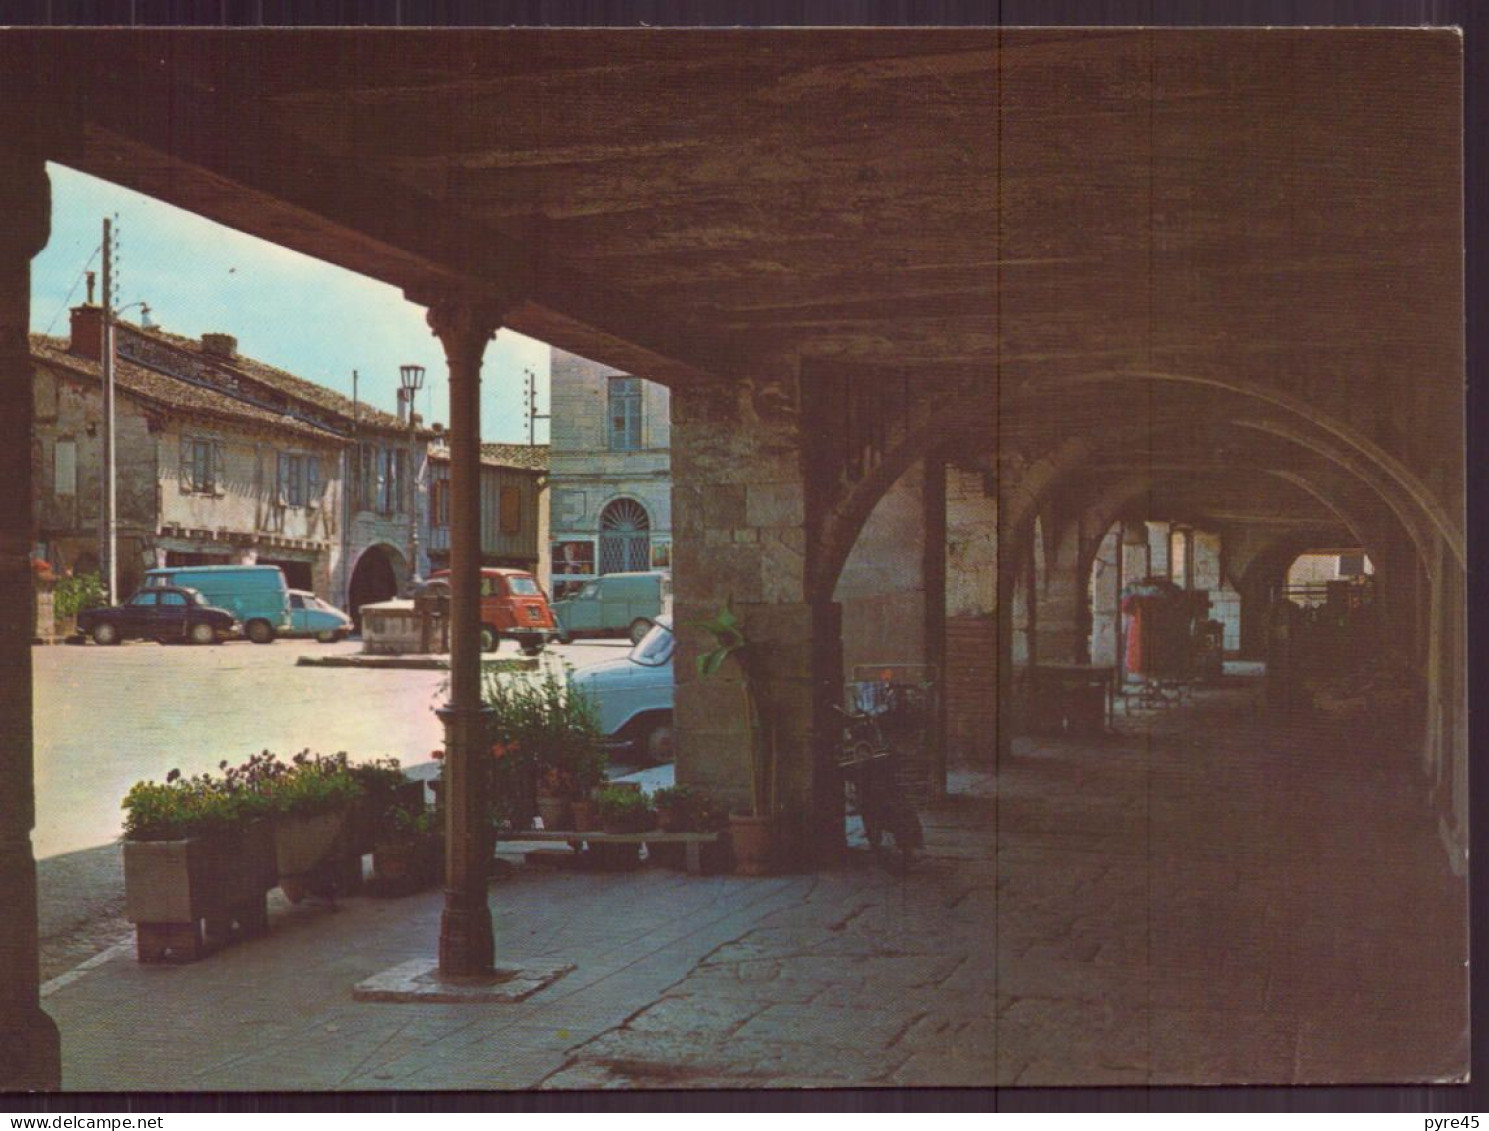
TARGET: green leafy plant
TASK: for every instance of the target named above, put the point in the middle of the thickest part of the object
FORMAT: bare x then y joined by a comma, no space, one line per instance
624,810
731,642
689,810
540,728
77,592
181,807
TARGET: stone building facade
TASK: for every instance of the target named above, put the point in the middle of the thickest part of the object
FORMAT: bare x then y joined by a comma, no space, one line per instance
611,472
514,506
220,460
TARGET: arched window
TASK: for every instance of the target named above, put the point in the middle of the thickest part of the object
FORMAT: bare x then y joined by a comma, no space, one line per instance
625,537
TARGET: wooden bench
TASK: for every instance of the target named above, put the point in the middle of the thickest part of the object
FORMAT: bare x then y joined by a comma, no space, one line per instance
693,842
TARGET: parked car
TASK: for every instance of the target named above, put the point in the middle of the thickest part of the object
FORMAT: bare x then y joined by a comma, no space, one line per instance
513,607
159,612
615,604
310,616
257,595
633,693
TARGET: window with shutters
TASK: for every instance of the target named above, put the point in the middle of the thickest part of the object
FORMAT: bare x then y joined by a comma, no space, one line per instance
201,465
439,501
65,467
625,414
291,480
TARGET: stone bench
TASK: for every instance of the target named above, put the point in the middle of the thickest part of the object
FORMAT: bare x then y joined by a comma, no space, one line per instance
693,842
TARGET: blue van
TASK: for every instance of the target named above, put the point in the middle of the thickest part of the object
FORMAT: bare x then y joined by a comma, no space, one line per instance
256,594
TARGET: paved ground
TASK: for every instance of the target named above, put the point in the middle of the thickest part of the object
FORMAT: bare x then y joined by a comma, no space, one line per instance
109,717
1210,898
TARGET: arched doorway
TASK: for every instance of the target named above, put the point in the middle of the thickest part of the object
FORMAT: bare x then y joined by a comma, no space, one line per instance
374,579
625,537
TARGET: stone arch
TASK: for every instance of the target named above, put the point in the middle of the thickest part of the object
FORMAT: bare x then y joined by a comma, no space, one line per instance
379,574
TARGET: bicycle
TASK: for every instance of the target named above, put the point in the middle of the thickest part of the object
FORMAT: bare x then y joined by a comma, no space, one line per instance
869,766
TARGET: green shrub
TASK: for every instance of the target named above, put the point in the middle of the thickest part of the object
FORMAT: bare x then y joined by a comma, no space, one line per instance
540,728
690,810
75,593
624,810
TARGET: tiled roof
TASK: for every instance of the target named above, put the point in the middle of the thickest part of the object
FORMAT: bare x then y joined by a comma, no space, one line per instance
259,371
169,392
523,457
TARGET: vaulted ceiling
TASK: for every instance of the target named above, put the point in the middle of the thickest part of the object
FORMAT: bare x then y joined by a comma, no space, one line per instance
1275,209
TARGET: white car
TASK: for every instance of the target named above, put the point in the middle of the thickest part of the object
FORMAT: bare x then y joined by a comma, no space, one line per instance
634,694
310,616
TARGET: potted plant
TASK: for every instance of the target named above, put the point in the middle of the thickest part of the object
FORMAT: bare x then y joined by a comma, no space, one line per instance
311,798
546,746
752,834
681,809
73,594
196,864
624,810
407,853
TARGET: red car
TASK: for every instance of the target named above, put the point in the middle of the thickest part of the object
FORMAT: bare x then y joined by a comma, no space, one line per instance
513,607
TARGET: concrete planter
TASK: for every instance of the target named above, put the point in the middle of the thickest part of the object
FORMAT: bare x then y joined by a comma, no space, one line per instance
302,844
174,881
189,897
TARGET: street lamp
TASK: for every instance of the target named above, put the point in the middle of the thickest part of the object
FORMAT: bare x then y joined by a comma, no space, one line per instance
411,380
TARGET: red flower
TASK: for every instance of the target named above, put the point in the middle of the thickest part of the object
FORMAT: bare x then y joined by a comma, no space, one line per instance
500,750
437,755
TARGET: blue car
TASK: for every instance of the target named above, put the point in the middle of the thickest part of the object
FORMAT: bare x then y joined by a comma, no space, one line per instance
310,616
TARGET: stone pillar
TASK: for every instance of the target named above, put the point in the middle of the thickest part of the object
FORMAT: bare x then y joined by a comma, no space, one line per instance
1062,619
739,517
466,947
30,1047
933,570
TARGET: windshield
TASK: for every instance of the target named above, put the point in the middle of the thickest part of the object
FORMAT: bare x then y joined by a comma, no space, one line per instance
655,648
523,586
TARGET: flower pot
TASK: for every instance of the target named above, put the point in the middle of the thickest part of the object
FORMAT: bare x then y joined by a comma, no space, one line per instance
555,811
753,839
303,843
583,815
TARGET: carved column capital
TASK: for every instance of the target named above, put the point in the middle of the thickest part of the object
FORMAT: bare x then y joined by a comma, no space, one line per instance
464,321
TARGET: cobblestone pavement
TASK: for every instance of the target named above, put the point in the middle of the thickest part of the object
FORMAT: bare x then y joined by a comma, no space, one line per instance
1207,898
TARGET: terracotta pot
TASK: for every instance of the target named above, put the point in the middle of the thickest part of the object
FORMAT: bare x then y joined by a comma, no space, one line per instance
754,844
583,815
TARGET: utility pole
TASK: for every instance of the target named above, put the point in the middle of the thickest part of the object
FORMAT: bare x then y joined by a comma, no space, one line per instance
109,533
531,400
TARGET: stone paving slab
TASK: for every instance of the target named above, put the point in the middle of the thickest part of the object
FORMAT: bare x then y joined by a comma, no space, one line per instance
1148,945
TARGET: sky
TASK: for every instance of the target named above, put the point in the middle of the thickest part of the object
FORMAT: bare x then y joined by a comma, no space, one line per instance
303,315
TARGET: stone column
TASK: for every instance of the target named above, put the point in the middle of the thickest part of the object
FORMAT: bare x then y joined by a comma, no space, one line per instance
30,1047
466,948
739,518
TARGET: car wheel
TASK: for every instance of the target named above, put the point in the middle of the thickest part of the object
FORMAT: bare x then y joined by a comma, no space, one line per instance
564,638
656,743
490,641
260,632
331,636
639,628
203,634
532,649
105,633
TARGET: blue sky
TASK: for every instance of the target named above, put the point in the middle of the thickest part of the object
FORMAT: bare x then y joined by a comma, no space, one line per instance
317,321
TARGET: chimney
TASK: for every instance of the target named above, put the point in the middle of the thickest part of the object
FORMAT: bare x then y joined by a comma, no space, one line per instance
402,403
87,332
220,345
